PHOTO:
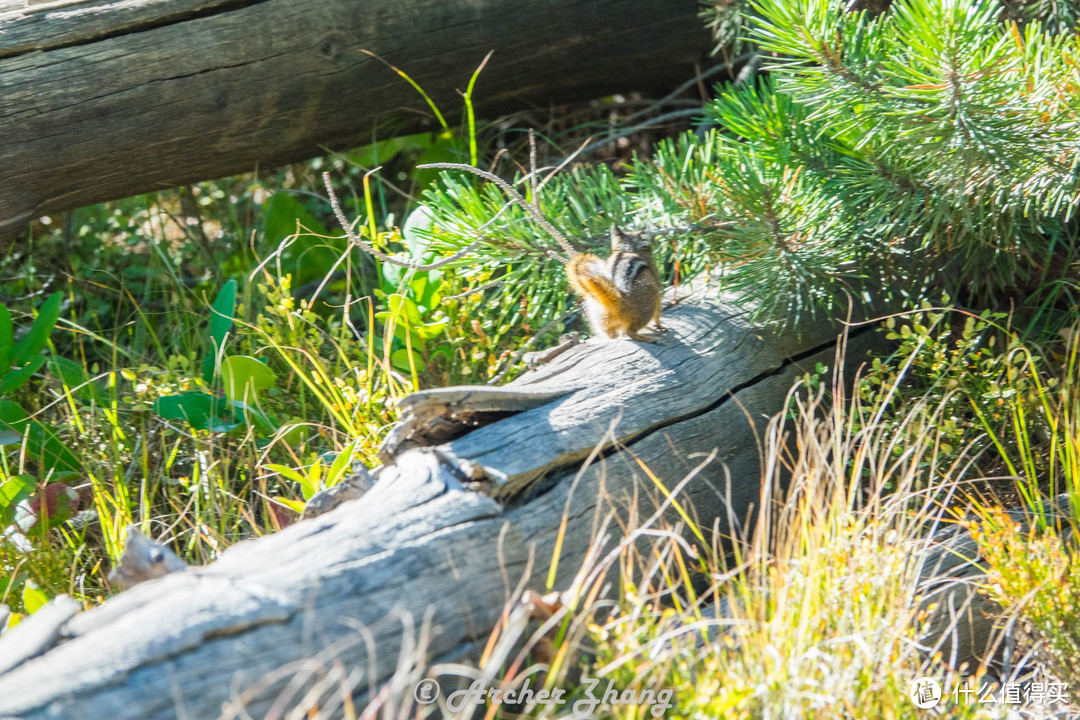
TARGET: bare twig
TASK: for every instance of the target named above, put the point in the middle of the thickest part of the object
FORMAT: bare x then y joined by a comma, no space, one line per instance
474,290
728,65
532,167
372,250
566,161
674,115
521,350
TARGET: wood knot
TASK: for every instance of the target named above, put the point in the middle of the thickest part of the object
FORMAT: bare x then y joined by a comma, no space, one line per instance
332,48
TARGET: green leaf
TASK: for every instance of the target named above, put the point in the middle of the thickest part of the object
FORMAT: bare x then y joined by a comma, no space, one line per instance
446,148
295,505
42,444
75,376
306,253
35,339
405,308
309,484
341,464
15,378
33,597
244,376
428,295
391,277
13,491
197,408
381,152
7,339
286,471
432,329
251,415
220,425
417,230
282,213
400,360
221,320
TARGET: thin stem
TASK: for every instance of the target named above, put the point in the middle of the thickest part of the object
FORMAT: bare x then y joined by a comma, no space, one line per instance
372,250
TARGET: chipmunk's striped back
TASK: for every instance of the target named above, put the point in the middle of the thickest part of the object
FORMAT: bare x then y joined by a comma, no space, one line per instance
624,268
622,294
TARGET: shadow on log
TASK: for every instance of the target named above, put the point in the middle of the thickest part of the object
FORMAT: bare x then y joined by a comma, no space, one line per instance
101,99
448,531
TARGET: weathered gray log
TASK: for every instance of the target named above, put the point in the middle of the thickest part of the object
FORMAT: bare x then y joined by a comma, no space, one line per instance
37,632
966,626
424,541
101,99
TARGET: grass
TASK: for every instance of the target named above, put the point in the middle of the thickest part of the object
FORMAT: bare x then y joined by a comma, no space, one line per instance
219,354
207,359
821,613
127,369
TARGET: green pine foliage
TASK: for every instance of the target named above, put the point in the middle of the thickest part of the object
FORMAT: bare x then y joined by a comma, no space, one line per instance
932,146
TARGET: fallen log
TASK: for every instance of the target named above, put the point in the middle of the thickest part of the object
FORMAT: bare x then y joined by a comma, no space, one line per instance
448,530
102,99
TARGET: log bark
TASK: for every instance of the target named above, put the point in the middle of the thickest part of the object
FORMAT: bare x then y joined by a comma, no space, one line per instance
101,99
447,532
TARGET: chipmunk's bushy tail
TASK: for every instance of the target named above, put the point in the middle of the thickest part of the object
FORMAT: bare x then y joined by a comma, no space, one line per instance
588,277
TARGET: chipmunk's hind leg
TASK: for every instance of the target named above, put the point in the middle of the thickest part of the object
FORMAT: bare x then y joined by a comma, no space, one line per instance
656,319
636,335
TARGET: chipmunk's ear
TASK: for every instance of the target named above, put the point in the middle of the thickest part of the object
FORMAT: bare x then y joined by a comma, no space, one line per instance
616,235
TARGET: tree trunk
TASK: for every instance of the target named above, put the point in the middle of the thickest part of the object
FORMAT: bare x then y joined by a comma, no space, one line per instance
102,99
449,530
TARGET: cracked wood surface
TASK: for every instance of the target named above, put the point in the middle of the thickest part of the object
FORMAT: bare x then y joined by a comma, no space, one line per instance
101,99
421,544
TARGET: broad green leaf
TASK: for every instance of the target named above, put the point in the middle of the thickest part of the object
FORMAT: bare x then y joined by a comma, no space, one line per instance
15,378
221,320
13,491
7,340
417,230
282,213
33,342
341,464
244,376
431,330
251,415
306,251
400,360
33,597
295,505
430,295
446,148
392,274
381,152
220,425
197,408
402,331
405,308
309,484
74,376
286,471
42,444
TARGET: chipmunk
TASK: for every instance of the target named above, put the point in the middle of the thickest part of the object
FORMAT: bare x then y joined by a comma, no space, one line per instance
621,294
